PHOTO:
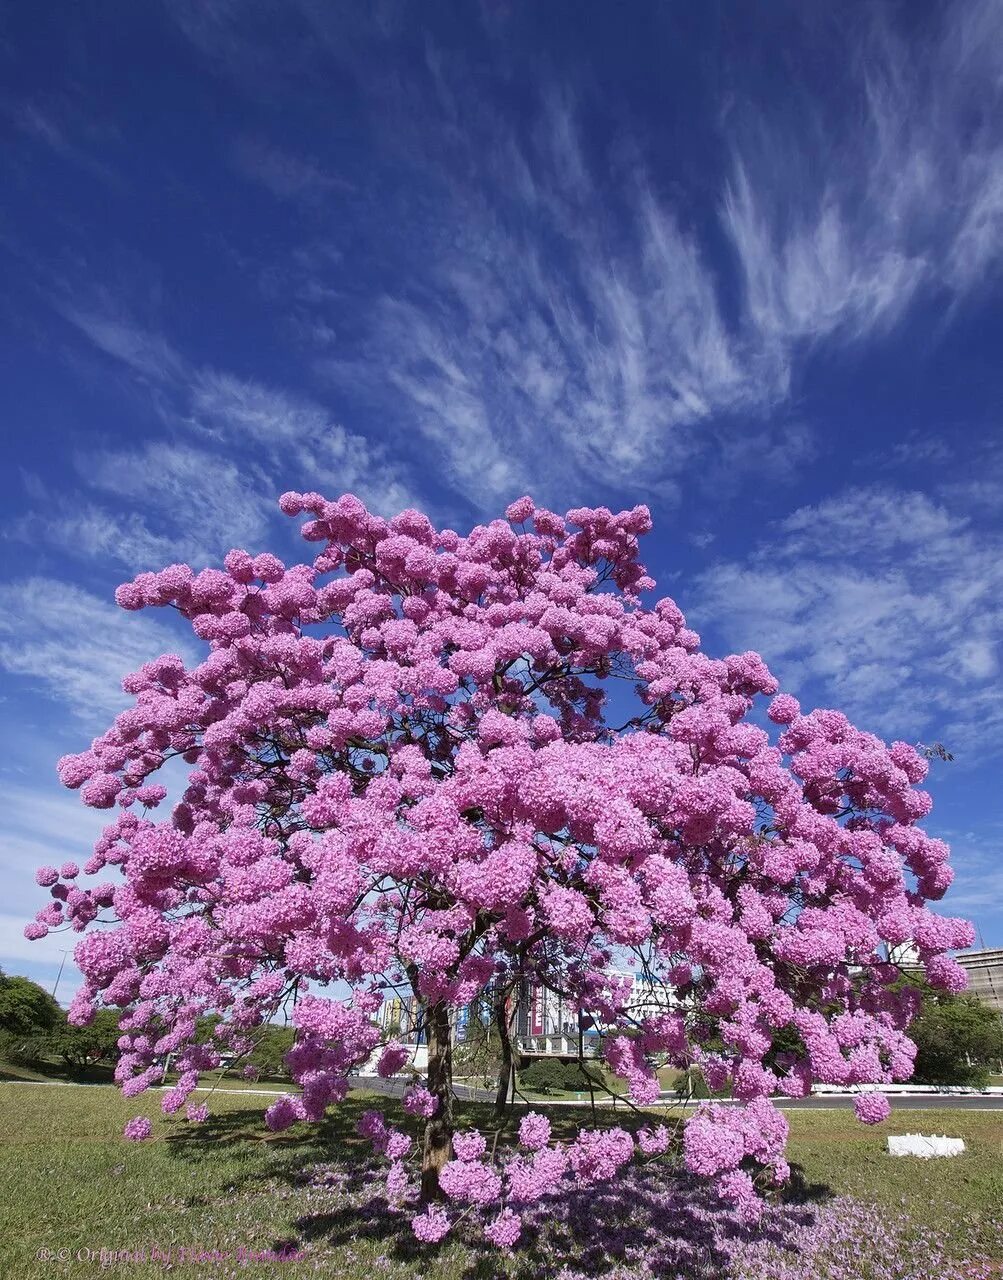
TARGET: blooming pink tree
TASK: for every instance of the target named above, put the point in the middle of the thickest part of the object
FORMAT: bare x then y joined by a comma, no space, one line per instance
448,764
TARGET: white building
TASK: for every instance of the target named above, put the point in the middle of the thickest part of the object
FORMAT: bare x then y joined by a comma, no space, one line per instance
985,974
545,1025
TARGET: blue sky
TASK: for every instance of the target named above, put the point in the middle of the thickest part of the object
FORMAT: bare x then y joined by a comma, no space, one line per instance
742,263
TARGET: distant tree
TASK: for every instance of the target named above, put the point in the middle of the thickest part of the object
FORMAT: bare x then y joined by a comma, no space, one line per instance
545,1075
272,1044
551,1075
479,1054
205,1027
958,1039
26,1009
83,1047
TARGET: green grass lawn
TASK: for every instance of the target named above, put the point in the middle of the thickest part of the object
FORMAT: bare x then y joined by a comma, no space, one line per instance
69,1183
53,1070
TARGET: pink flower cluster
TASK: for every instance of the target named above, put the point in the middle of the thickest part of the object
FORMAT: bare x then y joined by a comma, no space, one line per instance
534,1131
500,1191
718,1138
654,1142
419,1101
471,1145
392,1059
138,1129
432,1225
405,771
872,1108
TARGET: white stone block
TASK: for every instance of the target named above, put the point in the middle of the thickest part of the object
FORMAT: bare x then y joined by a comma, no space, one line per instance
918,1144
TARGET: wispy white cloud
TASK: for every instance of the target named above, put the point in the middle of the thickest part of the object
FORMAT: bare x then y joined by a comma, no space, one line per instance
150,504
75,646
89,531
555,339
880,601
146,353
61,126
840,220
560,317
228,447
299,437
208,501
565,321
285,175
807,273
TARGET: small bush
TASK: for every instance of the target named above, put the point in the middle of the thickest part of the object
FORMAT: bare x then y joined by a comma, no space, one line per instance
551,1075
21,1050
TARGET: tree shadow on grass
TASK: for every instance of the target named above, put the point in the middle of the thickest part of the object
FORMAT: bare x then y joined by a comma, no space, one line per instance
655,1220
242,1132
41,1070
660,1223
799,1190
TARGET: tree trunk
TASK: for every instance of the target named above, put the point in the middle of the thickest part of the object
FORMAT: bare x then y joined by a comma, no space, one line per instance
506,1066
438,1146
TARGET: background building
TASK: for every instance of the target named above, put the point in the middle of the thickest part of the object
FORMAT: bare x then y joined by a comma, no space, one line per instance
985,974
905,955
544,1026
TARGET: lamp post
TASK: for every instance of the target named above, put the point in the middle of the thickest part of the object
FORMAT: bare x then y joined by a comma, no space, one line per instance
62,962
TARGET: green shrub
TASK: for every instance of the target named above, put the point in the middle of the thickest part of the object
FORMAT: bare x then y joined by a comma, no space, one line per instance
551,1075
26,1009
958,1039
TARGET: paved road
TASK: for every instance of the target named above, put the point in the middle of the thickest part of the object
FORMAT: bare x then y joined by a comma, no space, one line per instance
900,1102
395,1088
823,1102
842,1102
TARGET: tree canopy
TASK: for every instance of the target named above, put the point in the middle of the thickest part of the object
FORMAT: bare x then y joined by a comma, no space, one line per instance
26,1009
959,1040
443,766
81,1047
